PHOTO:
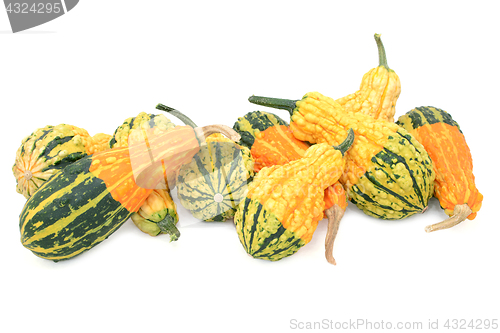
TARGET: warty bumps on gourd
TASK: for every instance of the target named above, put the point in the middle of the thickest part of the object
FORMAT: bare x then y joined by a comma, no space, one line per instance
285,202
455,186
212,185
158,215
271,142
87,201
50,149
388,173
379,90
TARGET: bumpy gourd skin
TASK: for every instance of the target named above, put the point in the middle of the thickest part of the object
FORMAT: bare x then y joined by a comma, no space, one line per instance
215,181
84,203
271,142
388,173
378,92
444,141
142,121
101,143
285,202
158,204
248,162
269,139
48,150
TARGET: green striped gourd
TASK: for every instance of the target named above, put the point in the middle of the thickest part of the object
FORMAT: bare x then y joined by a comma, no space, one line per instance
254,125
212,185
388,173
84,203
142,121
455,186
46,151
159,214
271,142
215,181
284,203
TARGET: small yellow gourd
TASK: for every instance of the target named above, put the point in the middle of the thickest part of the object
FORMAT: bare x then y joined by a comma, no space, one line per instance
379,90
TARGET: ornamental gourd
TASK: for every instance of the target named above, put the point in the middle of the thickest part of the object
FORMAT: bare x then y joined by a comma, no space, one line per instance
388,173
268,138
271,142
159,214
212,185
215,181
379,90
142,121
454,186
101,143
285,202
48,150
87,201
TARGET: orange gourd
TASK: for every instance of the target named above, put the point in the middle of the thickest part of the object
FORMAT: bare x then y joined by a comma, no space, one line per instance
271,142
445,143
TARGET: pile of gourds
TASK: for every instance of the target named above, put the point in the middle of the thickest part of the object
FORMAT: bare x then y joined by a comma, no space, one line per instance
275,179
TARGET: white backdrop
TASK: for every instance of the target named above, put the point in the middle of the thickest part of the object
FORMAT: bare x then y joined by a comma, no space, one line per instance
109,60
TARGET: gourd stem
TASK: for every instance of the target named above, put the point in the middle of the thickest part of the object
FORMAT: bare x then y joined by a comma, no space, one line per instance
460,213
167,226
347,143
382,58
201,132
205,131
176,113
334,215
277,103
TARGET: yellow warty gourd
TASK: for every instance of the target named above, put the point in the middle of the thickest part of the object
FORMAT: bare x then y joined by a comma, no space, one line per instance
379,90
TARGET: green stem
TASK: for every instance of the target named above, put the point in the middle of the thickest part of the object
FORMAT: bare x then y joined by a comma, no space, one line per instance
277,103
344,146
382,58
176,113
167,226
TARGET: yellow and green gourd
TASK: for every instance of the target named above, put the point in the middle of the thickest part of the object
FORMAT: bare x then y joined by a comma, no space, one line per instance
84,203
215,181
143,120
379,90
285,202
50,149
271,142
455,186
388,173
159,212
212,185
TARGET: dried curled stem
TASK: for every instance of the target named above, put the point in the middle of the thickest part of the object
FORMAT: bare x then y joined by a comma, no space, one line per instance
205,131
460,213
334,215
